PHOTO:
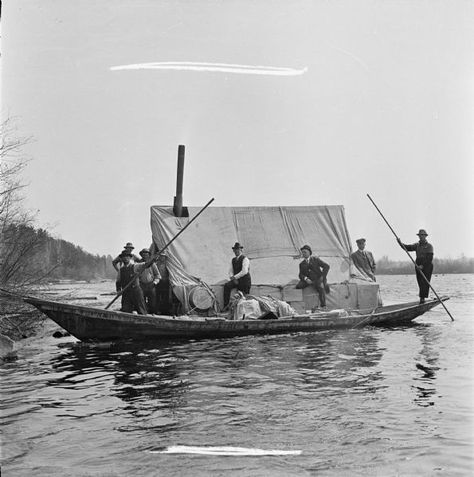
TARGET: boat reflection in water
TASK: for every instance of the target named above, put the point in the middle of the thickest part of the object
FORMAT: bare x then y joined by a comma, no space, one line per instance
229,372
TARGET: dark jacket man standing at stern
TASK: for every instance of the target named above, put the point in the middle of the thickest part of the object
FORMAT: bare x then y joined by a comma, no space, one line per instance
239,274
313,271
424,262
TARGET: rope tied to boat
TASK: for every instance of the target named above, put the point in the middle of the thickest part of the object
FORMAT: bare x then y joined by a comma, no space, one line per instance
365,319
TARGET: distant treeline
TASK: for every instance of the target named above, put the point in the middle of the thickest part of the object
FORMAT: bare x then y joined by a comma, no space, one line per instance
31,256
385,266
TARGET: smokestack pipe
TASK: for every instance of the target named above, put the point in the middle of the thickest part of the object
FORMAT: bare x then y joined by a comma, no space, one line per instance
178,200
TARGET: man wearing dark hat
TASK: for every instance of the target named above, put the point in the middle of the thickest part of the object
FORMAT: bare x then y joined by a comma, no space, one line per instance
132,296
149,278
117,261
313,271
239,274
364,260
424,262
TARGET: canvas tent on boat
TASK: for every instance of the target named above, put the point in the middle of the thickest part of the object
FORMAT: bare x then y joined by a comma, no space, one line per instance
272,238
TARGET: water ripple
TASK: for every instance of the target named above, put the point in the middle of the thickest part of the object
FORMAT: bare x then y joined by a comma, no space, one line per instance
355,402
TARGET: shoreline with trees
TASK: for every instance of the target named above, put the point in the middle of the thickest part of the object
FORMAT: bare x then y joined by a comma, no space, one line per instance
443,266
29,255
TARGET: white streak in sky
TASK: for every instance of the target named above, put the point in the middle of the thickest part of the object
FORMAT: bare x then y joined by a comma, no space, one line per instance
354,57
214,67
225,450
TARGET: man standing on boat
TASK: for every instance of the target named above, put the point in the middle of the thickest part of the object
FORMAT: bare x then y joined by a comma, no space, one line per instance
132,296
149,278
117,261
239,274
164,293
424,262
313,271
364,260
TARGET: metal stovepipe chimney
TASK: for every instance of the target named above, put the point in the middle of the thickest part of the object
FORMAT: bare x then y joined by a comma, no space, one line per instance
178,200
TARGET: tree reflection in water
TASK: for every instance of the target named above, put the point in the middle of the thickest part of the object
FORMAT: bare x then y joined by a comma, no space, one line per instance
169,386
334,360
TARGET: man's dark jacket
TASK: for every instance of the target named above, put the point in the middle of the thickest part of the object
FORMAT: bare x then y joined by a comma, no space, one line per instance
313,270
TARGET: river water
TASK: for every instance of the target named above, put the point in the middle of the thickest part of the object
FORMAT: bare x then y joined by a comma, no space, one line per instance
353,402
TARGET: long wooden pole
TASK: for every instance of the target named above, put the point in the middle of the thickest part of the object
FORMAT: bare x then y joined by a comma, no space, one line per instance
156,255
411,258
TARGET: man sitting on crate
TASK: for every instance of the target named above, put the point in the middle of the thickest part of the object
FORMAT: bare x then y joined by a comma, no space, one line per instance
313,271
239,274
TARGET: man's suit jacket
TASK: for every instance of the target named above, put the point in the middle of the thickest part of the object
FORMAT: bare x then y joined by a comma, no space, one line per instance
364,261
313,270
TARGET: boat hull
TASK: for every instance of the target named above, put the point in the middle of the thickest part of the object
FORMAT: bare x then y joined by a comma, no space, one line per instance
94,324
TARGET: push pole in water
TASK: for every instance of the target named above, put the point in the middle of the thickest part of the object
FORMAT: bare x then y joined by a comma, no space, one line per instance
411,258
150,262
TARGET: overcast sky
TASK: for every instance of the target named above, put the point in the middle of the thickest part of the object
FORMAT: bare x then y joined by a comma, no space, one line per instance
332,100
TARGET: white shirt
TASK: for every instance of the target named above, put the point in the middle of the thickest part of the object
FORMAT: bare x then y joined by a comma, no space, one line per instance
244,271
150,274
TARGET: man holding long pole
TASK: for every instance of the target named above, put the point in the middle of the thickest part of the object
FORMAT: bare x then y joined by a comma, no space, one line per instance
421,274
423,263
147,264
128,285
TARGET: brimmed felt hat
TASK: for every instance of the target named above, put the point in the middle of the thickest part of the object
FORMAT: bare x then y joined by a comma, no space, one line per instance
237,245
361,240
128,245
308,248
144,250
126,253
422,232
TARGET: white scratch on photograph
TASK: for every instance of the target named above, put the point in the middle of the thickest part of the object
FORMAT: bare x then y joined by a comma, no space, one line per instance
214,67
224,450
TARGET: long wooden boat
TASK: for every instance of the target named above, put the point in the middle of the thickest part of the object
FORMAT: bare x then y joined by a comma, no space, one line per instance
95,324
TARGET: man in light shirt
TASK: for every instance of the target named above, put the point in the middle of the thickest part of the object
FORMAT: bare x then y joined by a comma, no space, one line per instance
239,274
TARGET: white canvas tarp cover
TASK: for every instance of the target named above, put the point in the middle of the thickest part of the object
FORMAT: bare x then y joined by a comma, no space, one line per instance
271,236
